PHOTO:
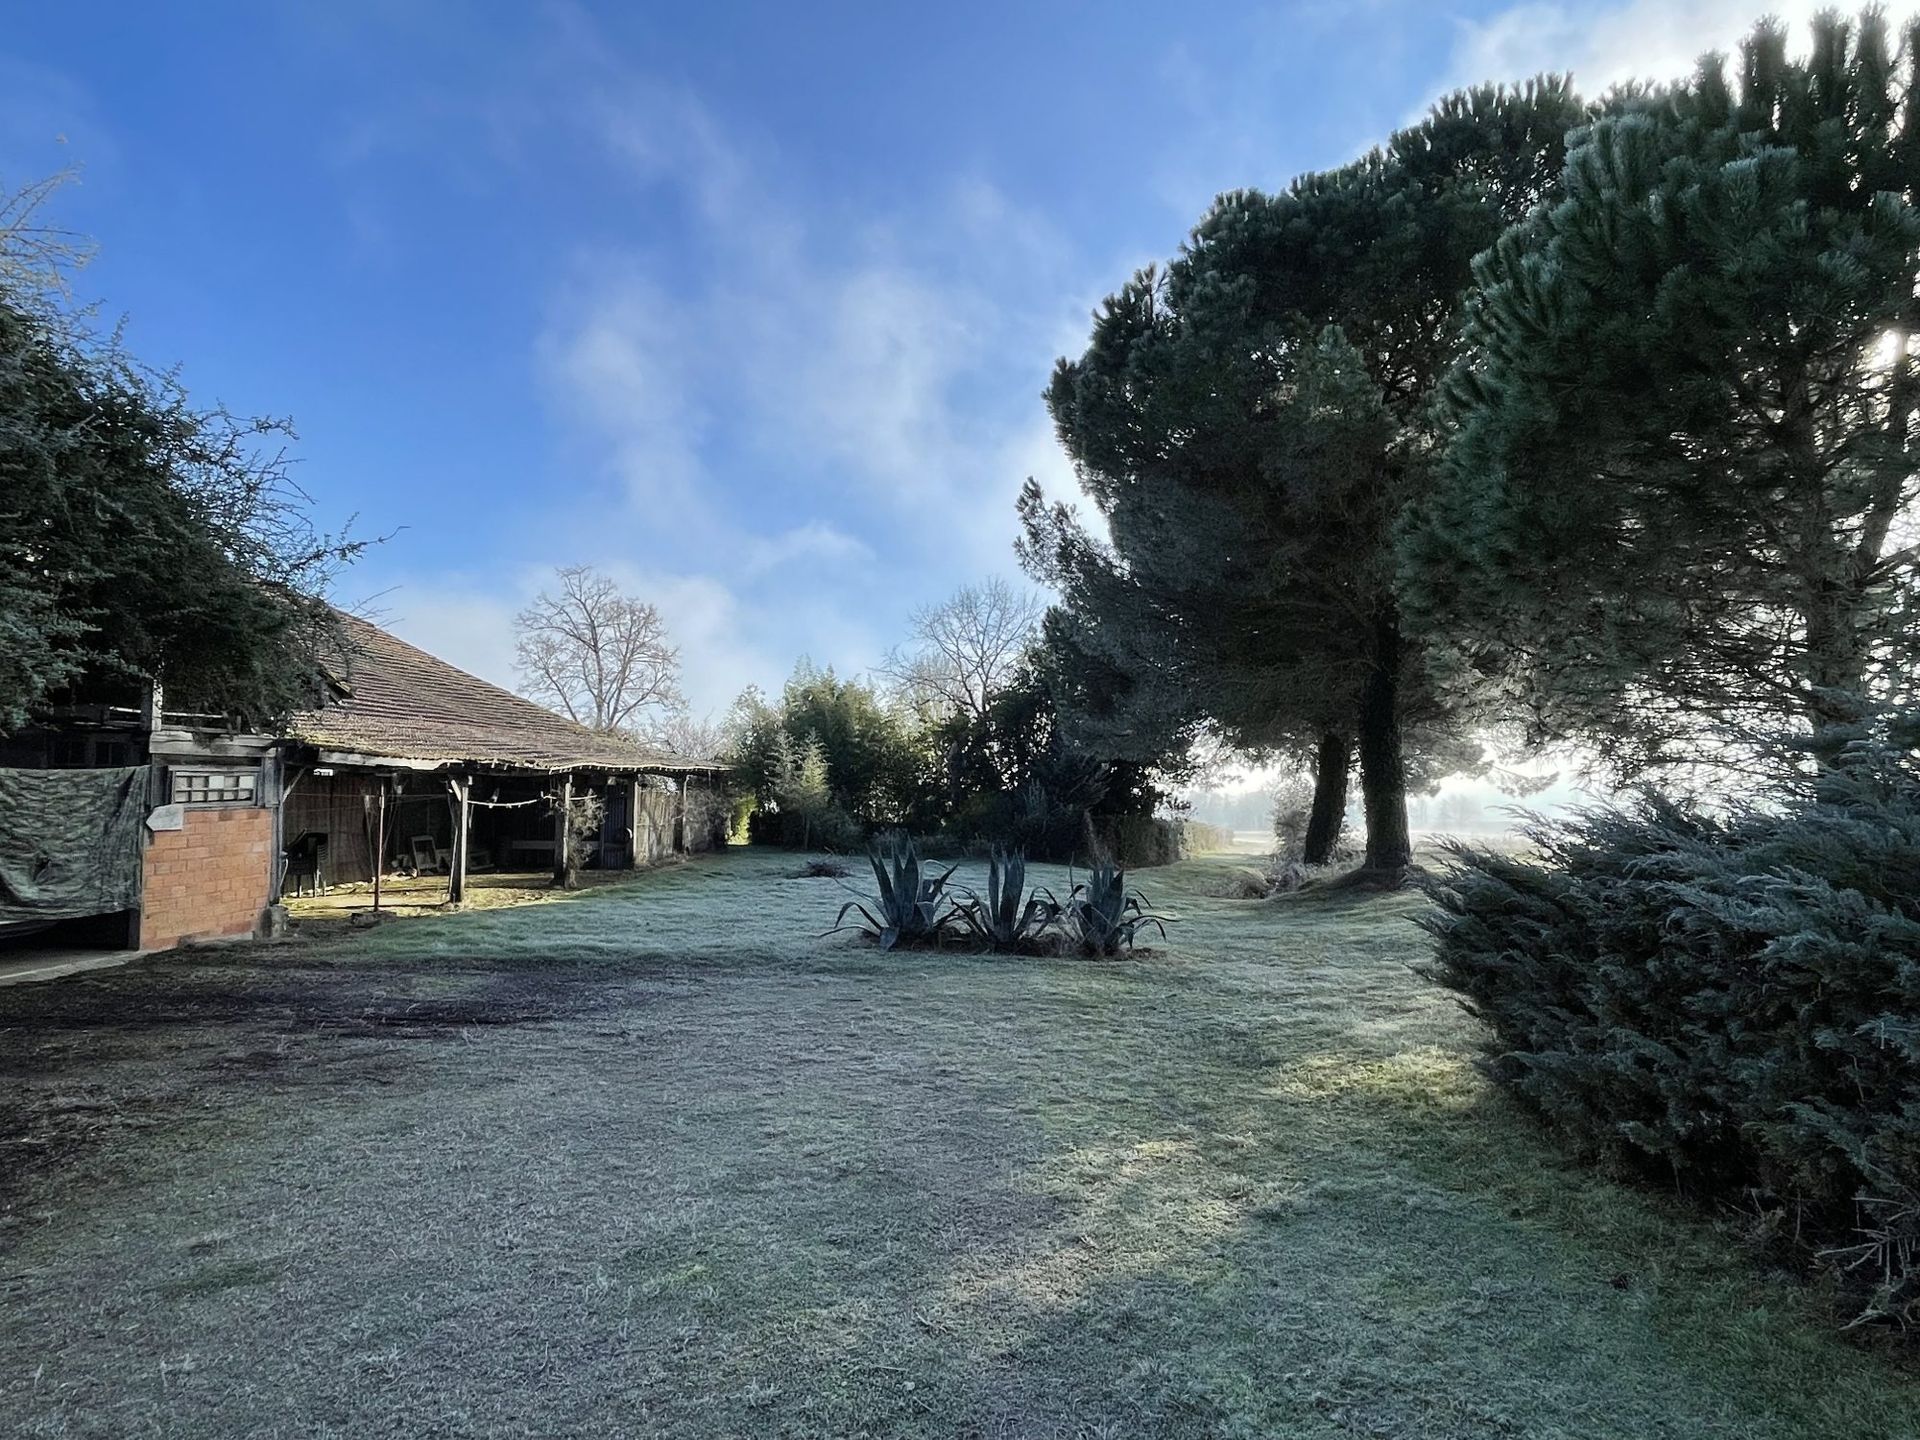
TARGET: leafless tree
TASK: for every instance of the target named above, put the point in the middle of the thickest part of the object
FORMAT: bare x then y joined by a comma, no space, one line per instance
598,656
680,732
965,649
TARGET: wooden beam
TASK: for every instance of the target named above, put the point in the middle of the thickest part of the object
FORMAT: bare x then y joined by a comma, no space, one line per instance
462,818
636,827
562,824
379,842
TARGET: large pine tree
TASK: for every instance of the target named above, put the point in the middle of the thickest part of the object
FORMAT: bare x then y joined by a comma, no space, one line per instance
1252,424
1677,500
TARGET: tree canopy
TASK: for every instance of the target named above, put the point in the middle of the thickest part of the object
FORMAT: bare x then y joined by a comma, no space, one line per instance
1676,494
965,650
1252,422
144,541
596,654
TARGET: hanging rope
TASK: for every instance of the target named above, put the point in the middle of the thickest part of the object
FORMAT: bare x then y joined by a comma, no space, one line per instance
453,793
509,804
394,802
548,798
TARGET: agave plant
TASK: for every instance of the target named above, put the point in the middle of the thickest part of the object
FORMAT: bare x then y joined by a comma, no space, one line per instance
1101,914
1001,921
913,906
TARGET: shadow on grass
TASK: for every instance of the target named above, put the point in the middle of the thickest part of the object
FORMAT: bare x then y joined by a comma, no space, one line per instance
1341,1242
1442,1279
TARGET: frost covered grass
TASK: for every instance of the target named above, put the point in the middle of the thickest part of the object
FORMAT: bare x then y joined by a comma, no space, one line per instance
657,1161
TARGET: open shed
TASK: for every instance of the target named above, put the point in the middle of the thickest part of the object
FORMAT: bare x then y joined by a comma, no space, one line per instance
427,767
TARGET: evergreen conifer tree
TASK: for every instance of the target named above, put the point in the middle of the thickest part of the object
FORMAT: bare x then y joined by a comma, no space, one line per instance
1683,446
1253,422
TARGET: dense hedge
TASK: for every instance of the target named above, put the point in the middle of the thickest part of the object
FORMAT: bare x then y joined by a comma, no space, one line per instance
1060,834
1730,1003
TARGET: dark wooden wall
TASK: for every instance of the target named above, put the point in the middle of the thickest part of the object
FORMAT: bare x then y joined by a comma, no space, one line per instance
340,807
337,806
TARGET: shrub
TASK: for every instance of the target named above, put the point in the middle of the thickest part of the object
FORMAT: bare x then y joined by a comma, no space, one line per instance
1245,883
1284,875
1292,806
1028,819
1046,826
1140,841
586,817
1730,1002
830,829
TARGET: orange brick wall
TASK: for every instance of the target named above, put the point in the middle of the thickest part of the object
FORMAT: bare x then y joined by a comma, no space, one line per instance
209,878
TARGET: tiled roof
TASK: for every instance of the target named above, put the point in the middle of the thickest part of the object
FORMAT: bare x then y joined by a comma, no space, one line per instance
399,703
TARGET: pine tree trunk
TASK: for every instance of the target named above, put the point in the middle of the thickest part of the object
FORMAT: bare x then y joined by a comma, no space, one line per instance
1836,667
1833,597
1383,767
1329,812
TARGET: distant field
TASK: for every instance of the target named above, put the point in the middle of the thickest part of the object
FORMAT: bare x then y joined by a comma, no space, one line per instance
658,1161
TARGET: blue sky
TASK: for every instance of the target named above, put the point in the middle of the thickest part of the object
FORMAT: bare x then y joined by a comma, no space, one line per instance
748,304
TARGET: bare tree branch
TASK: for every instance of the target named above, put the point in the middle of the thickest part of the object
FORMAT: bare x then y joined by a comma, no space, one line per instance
681,733
965,649
38,259
598,656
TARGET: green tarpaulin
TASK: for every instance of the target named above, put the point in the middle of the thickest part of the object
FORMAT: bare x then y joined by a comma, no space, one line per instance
70,842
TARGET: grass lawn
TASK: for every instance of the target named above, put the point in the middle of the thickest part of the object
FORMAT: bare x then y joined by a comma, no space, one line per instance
657,1161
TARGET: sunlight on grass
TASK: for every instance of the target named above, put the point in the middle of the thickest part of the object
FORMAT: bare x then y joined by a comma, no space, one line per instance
1424,1078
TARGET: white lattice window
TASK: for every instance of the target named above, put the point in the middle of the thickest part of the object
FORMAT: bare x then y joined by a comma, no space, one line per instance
215,787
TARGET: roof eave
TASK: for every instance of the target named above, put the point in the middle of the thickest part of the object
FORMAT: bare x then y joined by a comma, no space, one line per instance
371,760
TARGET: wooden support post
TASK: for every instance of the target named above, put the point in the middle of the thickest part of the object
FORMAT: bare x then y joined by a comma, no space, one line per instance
686,836
274,782
462,818
562,835
379,842
636,827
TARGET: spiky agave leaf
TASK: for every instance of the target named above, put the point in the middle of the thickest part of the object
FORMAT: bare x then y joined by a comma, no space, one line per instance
839,920
883,876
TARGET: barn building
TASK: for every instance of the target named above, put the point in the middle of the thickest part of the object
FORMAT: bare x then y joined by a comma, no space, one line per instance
147,828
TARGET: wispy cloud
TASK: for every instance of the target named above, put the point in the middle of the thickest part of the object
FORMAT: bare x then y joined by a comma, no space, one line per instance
617,361
788,417
835,409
